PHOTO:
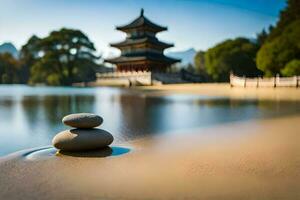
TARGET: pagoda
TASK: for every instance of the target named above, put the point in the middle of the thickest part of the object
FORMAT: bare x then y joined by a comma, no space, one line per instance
142,51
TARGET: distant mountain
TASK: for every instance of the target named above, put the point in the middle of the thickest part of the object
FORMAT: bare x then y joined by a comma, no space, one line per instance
9,48
186,56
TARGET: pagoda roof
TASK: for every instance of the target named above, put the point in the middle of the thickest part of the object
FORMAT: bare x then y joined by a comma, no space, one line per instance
134,41
149,56
142,21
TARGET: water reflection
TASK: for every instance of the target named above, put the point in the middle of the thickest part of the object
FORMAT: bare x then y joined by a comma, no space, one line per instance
49,152
100,153
30,117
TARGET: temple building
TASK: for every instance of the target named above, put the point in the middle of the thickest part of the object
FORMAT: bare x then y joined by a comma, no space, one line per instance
142,51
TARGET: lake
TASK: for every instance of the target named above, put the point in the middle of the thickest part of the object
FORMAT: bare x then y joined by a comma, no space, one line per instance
31,116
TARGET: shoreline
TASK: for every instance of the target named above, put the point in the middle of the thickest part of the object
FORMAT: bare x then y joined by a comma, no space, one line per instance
209,89
258,163
224,90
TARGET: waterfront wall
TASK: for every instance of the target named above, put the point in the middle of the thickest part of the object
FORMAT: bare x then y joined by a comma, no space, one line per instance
124,78
236,81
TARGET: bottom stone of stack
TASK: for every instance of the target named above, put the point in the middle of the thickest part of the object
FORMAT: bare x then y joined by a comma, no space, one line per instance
82,139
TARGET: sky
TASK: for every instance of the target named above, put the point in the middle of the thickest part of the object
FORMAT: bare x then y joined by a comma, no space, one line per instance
198,24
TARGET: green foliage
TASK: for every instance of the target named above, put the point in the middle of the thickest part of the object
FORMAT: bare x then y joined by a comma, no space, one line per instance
282,46
28,56
261,37
45,69
236,55
9,69
5,79
292,68
199,61
290,14
53,79
62,58
275,54
190,68
200,68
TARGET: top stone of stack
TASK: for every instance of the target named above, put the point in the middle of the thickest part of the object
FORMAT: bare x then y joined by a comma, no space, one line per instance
82,120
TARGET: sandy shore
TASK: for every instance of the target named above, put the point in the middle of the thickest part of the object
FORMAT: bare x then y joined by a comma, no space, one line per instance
247,160
224,89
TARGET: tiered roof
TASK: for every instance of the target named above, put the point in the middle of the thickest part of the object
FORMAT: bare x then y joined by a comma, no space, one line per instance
146,35
148,56
142,21
134,41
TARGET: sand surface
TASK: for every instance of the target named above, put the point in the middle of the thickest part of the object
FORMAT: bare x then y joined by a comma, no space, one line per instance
246,160
224,89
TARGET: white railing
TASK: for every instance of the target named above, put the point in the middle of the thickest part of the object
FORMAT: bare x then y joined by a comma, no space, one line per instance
123,74
277,81
127,78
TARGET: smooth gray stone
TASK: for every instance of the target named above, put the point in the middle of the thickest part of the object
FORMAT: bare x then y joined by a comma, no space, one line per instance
82,120
82,139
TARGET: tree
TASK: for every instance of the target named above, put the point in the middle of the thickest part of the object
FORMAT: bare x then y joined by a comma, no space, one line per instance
292,68
199,61
190,68
282,45
9,69
28,56
275,54
62,58
200,68
287,16
261,37
236,55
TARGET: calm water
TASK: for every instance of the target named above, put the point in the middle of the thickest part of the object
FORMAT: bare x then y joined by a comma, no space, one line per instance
31,116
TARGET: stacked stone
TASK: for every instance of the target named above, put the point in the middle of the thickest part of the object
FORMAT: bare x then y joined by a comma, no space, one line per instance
85,136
